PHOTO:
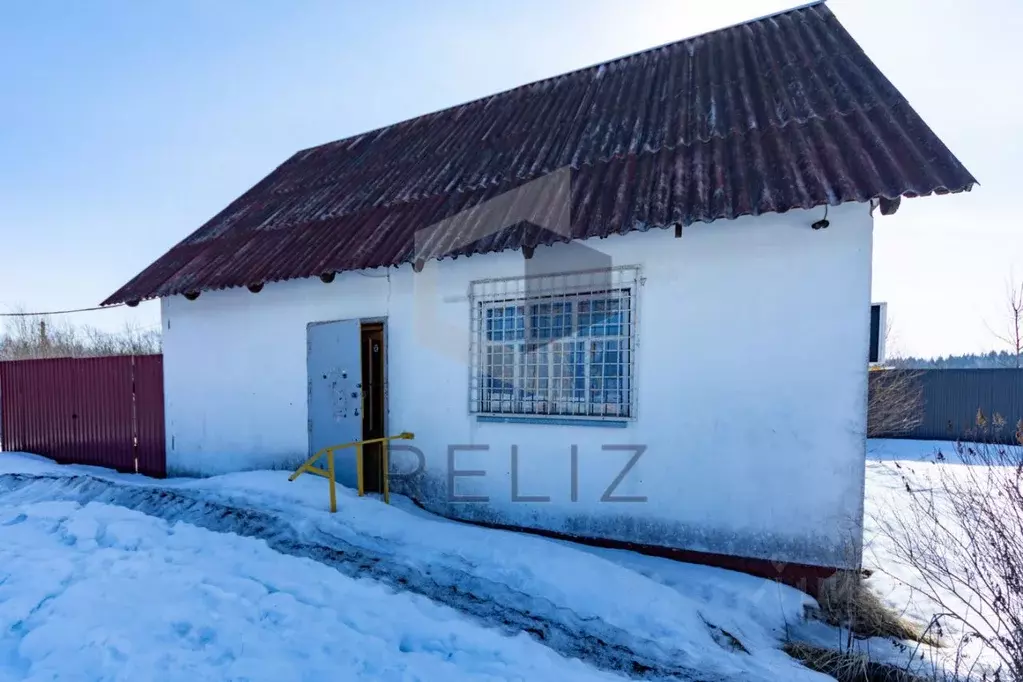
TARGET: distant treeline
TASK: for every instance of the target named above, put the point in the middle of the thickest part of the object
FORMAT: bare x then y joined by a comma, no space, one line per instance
1000,359
38,336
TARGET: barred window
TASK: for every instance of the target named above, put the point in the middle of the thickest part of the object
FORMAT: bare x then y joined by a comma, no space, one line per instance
556,345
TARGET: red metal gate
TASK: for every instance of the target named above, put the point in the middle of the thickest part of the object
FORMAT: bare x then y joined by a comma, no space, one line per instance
101,411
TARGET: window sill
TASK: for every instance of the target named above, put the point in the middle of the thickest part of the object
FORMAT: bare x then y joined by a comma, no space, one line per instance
552,421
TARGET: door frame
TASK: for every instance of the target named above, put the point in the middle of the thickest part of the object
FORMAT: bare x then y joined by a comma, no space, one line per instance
382,321
372,453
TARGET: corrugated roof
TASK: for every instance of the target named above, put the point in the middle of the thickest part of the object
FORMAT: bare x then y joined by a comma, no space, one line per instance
778,113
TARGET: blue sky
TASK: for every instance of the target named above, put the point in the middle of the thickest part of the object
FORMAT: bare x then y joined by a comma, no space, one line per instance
125,125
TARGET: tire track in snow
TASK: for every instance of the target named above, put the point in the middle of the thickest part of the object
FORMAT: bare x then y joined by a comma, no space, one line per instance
490,603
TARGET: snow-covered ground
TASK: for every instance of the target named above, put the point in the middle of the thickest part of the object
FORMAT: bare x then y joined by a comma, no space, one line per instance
897,470
93,588
100,592
246,576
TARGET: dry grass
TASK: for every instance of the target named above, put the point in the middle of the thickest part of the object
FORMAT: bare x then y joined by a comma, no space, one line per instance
846,666
846,602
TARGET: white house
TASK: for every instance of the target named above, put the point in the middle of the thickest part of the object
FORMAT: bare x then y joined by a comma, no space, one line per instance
628,304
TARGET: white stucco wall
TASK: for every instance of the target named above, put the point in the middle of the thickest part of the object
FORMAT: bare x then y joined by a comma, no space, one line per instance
751,374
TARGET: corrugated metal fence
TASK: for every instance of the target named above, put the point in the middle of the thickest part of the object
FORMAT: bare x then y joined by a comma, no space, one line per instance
102,411
952,398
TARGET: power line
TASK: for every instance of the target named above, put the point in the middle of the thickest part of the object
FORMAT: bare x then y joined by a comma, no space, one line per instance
64,312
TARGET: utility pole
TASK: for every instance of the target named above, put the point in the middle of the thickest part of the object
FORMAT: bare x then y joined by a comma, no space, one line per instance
44,343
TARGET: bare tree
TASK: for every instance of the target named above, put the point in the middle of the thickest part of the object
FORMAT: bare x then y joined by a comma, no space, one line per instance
894,402
962,533
895,398
132,339
40,336
1013,332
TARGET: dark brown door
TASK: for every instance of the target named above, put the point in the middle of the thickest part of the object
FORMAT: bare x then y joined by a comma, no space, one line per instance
373,403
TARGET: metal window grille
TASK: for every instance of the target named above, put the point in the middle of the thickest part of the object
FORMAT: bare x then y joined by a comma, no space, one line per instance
560,345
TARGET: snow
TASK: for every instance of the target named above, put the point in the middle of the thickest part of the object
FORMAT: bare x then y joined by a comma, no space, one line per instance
566,577
100,592
754,610
891,465
91,588
126,595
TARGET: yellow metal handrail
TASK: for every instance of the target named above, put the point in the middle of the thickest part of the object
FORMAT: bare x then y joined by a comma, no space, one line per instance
309,465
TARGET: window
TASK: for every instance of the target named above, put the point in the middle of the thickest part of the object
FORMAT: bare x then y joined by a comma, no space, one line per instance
555,345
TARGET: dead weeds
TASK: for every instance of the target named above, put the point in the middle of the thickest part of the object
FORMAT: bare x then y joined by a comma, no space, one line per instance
847,666
846,602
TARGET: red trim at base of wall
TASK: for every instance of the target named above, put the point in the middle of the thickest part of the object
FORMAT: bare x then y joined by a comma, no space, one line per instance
801,576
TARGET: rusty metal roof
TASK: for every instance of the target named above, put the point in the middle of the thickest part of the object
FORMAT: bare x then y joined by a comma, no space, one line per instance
778,113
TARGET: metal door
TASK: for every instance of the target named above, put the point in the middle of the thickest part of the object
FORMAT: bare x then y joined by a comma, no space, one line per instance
334,365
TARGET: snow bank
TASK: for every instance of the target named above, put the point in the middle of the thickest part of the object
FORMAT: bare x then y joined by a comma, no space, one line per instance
659,609
663,610
101,592
671,610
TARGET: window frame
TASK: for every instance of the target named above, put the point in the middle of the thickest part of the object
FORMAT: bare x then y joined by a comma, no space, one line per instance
542,395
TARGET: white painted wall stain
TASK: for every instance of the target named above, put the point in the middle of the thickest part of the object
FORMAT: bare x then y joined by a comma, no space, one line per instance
751,372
